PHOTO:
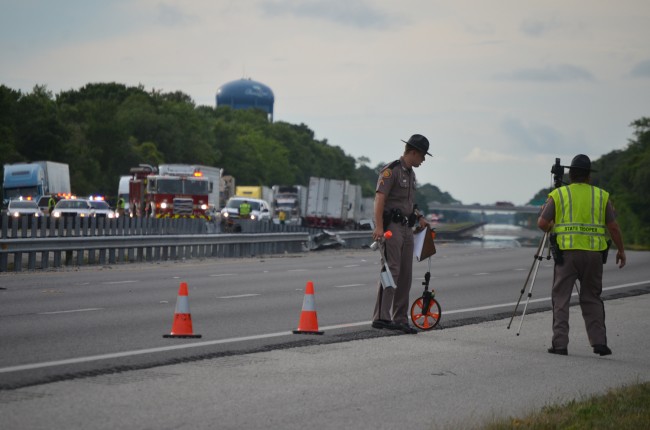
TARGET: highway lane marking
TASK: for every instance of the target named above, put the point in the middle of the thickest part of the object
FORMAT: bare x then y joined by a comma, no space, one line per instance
481,274
245,338
117,282
223,274
70,311
297,270
352,265
238,296
348,286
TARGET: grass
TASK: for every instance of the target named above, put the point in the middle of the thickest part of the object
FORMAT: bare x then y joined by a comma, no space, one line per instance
626,408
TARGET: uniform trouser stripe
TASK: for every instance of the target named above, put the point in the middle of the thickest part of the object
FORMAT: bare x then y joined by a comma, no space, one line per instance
393,303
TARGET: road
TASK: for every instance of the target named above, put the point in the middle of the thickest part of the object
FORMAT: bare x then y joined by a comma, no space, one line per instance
61,324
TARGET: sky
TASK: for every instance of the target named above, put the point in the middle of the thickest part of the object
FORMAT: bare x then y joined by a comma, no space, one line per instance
500,88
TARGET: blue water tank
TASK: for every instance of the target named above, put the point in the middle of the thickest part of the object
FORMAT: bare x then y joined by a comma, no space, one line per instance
246,94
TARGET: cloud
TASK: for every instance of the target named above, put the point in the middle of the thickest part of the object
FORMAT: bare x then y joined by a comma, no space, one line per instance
535,137
352,13
171,16
558,73
641,70
481,155
536,27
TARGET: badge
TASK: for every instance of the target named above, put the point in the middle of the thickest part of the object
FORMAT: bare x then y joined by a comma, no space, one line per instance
387,173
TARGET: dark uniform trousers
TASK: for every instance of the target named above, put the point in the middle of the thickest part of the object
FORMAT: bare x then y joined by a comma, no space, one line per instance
393,303
587,267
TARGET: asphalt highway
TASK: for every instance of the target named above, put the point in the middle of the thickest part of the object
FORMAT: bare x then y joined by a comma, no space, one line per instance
75,326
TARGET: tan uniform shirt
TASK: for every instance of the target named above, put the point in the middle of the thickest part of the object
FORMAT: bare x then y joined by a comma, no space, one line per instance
397,183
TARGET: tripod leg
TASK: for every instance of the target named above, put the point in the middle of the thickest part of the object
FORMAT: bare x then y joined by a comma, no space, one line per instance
530,290
538,257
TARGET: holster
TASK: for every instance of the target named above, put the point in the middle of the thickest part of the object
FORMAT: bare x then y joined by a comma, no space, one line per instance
393,215
556,252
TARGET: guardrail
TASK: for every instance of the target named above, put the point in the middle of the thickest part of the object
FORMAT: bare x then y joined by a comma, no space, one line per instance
48,244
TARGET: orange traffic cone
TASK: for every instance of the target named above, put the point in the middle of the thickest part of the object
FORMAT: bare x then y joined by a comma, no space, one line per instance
182,326
308,320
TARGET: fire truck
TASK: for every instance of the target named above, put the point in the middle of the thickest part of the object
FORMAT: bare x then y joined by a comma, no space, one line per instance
168,196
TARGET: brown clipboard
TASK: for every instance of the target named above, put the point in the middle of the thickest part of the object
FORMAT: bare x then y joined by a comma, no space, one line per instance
428,247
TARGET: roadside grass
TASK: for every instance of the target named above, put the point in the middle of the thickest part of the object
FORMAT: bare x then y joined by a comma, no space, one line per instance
626,408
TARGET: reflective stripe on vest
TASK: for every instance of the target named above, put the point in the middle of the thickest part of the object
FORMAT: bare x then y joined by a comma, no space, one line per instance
580,217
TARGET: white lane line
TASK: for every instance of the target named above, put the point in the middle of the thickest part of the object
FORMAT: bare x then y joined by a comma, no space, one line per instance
70,311
518,270
238,296
297,270
352,265
118,282
223,274
240,339
481,274
348,286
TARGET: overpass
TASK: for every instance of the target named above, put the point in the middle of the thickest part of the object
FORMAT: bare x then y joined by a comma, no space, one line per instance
435,206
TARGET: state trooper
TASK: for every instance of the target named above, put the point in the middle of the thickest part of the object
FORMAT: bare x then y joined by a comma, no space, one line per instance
578,215
395,211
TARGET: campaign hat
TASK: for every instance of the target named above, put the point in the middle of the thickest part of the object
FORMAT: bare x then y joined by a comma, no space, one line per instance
419,142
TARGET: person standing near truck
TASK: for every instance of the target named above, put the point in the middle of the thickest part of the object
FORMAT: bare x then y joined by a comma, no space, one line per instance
395,212
50,205
244,209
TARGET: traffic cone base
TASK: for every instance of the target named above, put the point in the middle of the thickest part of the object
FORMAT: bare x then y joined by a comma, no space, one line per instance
308,319
182,326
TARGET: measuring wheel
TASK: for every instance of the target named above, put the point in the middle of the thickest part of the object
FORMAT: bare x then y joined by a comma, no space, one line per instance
425,311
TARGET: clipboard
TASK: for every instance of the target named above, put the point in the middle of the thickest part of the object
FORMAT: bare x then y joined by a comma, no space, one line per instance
423,245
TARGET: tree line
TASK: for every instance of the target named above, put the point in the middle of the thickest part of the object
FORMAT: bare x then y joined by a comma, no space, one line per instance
103,129
625,174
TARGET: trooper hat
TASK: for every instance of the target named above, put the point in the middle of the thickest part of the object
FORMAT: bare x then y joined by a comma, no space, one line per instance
419,142
581,162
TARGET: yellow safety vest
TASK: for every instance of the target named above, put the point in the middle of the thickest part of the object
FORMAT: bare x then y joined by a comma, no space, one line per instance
580,217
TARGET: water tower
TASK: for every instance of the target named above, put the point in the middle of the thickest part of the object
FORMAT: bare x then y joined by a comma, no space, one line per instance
246,94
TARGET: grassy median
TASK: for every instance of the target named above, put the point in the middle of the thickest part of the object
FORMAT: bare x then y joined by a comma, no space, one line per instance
626,408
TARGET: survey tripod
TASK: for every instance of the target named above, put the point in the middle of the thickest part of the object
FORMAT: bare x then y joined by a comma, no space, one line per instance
530,279
545,245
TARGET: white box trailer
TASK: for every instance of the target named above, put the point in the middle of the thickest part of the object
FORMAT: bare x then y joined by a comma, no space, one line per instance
353,195
327,202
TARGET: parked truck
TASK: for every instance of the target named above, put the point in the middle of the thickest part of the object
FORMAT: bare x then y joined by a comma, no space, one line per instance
333,203
213,174
35,180
254,192
167,196
123,192
290,199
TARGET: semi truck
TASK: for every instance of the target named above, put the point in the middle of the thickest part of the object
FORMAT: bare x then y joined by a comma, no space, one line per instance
35,180
333,203
290,199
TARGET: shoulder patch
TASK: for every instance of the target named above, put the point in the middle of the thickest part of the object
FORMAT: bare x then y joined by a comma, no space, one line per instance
387,170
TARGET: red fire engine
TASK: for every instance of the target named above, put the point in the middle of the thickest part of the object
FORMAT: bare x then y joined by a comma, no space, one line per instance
167,196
